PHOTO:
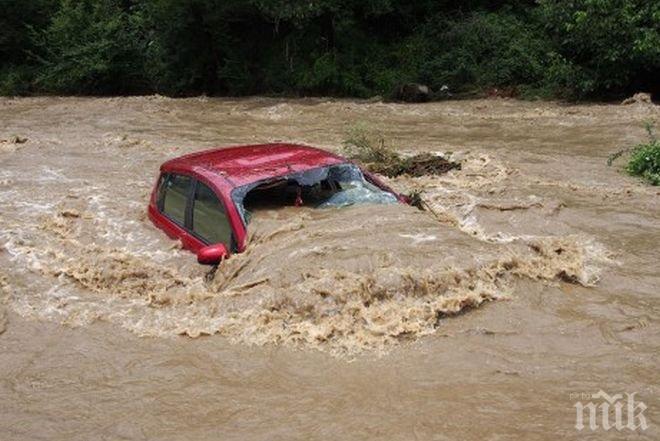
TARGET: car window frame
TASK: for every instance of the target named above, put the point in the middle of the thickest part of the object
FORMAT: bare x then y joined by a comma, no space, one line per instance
191,206
160,203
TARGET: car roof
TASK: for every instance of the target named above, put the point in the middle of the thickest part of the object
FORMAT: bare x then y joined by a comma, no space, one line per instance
245,164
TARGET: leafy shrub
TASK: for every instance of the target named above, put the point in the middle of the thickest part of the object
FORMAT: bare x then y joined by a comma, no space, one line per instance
645,162
326,75
645,159
367,145
15,80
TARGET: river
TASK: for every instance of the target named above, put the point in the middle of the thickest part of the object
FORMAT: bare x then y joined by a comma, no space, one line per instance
533,283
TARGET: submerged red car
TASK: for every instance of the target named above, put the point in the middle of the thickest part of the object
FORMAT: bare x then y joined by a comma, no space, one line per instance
206,199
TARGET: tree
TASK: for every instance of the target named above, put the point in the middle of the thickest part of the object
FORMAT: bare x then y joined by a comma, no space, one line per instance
90,46
603,47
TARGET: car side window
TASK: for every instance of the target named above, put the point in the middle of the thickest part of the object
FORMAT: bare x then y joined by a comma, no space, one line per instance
173,197
209,220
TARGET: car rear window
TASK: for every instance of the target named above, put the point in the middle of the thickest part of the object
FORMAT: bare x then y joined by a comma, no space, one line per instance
209,219
175,195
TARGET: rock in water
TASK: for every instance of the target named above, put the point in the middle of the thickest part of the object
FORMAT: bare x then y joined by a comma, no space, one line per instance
412,93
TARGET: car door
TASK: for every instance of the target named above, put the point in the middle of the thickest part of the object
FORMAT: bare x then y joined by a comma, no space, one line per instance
209,221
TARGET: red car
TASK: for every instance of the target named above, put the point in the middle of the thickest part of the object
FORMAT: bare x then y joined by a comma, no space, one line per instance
206,199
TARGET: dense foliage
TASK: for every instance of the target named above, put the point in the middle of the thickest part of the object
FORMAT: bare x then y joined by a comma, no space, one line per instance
572,49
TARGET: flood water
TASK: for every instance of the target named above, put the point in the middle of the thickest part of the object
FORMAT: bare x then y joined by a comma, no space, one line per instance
532,283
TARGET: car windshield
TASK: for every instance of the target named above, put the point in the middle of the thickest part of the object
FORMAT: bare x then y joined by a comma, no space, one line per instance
324,187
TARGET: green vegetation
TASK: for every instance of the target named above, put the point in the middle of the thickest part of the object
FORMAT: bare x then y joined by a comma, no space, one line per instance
368,147
644,160
545,48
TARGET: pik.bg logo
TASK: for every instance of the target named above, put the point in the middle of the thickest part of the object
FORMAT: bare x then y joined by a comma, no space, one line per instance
607,412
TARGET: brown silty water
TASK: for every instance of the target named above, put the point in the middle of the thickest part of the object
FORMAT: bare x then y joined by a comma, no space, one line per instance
531,284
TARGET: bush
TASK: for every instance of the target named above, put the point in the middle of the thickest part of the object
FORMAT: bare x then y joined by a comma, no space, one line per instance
645,159
645,162
327,76
369,148
15,80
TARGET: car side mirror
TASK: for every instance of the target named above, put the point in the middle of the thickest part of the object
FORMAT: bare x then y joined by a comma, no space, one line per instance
212,254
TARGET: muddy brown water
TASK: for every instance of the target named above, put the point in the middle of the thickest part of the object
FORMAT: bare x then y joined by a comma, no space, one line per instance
535,282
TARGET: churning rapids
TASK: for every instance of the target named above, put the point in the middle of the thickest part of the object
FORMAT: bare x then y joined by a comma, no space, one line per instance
94,300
